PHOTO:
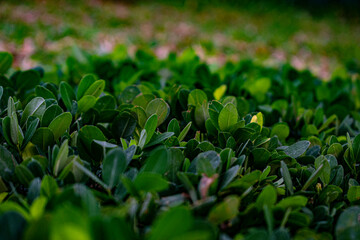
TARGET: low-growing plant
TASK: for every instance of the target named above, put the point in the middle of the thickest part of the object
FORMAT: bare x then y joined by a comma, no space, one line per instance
150,149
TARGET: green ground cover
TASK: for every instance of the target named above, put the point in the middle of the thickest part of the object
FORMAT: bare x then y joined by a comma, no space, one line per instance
190,120
167,149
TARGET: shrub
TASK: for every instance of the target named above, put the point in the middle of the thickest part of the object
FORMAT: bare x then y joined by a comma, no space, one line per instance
172,150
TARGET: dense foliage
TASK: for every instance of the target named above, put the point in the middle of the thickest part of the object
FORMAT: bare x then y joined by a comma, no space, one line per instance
174,150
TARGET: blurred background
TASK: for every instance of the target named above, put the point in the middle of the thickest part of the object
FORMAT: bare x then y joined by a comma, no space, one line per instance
322,35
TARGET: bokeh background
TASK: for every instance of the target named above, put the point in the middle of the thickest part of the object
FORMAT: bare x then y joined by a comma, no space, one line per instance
321,35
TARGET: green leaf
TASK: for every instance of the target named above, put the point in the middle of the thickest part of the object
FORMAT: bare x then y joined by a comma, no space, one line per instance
159,139
48,187
207,162
225,210
261,157
27,80
259,119
95,89
281,130
30,131
347,226
123,125
150,127
43,137
335,149
16,133
85,103
159,107
11,107
174,127
6,130
87,135
325,173
268,196
229,176
219,92
157,162
150,182
90,174
142,139
184,132
67,94
281,106
203,166
228,117
326,124
61,158
176,160
201,114
313,177
36,107
50,114
293,202
6,60
141,115
23,175
258,87
356,148
353,194
287,177
60,124
197,97
297,149
107,102
44,92
114,165
12,222
173,222
7,162
142,100
329,194
85,83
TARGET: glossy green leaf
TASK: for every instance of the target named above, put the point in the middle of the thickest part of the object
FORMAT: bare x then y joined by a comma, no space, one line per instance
173,222
123,125
50,114
197,97
297,149
150,127
114,164
325,173
85,103
84,85
6,60
353,194
281,130
150,182
228,117
44,93
347,226
225,210
36,107
159,107
184,132
61,159
268,196
43,137
287,177
60,124
67,94
95,89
